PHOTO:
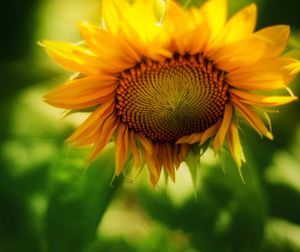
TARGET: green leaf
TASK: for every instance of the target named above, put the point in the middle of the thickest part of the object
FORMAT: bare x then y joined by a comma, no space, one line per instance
78,203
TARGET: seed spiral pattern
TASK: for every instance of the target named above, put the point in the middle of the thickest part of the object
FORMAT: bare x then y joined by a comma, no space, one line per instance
167,100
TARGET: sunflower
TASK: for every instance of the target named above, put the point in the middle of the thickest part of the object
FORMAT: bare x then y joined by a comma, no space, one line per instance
162,80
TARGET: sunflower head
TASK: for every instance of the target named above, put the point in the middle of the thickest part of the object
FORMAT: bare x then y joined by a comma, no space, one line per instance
162,79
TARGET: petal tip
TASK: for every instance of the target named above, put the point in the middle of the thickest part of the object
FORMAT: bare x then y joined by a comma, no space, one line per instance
270,135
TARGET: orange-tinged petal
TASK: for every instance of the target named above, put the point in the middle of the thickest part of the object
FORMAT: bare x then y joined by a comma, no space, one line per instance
91,134
121,147
252,117
109,47
235,144
147,145
150,157
190,139
91,123
197,39
83,92
183,151
176,23
136,40
134,149
168,160
104,136
176,157
210,132
261,100
200,137
222,131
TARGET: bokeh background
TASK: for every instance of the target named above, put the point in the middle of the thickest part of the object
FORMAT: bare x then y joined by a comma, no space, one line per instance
50,200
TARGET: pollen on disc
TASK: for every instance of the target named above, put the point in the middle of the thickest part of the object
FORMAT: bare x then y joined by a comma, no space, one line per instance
165,101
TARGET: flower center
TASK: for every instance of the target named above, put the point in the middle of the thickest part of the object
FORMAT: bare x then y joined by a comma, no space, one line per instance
167,100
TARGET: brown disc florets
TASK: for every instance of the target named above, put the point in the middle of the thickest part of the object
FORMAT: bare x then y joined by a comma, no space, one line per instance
167,100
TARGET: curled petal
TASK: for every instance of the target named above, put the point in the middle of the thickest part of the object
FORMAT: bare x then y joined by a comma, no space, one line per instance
252,117
262,100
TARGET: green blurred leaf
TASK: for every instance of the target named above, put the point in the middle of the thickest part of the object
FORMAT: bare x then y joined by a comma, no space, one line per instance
281,236
78,203
227,213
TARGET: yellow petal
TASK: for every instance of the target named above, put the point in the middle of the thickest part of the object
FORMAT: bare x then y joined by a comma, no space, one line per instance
176,19
240,26
141,15
262,100
295,68
144,19
222,131
252,117
155,50
111,14
276,37
72,57
265,75
262,45
215,14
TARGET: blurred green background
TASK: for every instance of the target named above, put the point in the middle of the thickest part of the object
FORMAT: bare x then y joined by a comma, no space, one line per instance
50,201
